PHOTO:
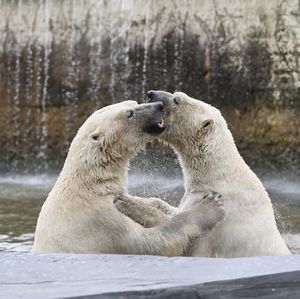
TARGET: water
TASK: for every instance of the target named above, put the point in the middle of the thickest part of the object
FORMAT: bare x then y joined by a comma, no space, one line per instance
21,198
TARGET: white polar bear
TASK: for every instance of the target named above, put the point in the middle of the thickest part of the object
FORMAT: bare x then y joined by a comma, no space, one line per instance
79,215
208,156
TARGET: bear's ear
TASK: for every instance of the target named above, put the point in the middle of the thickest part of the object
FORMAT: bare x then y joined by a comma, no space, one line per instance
177,100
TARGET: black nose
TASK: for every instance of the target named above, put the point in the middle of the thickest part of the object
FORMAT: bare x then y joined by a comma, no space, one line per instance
150,96
160,106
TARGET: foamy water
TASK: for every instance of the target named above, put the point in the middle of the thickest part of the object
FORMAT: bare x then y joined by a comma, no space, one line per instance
29,180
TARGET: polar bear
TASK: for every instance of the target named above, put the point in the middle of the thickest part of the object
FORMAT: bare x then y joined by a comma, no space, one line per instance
209,157
79,215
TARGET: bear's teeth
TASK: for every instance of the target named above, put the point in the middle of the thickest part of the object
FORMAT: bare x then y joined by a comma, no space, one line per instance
161,123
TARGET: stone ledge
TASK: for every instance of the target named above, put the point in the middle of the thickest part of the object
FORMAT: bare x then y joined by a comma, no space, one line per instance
25,275
282,285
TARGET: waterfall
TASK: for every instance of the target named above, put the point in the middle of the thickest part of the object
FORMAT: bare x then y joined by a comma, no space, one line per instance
71,78
16,97
44,117
112,58
178,44
61,60
28,84
96,21
146,45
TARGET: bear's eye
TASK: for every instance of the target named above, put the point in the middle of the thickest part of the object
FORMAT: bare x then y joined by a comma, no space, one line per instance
130,113
206,123
177,100
95,136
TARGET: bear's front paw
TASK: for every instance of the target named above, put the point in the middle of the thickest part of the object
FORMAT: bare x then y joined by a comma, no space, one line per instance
123,204
213,197
208,196
211,207
140,211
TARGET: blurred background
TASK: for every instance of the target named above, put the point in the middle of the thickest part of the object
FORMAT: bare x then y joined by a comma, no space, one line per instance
61,59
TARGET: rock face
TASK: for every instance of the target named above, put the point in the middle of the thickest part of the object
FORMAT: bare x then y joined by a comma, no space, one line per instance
60,60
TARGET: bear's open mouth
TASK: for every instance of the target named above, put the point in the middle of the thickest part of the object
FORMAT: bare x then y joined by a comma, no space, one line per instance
157,127
161,124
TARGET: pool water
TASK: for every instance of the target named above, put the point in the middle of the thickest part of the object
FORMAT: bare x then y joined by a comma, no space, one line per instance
21,198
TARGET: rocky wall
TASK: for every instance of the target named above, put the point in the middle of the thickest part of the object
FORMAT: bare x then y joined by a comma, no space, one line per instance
61,60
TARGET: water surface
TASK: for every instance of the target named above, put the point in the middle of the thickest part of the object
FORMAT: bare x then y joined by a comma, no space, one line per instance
21,198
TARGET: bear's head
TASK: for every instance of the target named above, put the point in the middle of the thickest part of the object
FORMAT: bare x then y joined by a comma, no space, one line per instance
115,133
190,123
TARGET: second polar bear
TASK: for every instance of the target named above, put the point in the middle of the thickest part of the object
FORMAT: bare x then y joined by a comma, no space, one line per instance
209,157
79,215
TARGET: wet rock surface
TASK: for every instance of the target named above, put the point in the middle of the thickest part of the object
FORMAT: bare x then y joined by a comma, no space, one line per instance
283,285
73,57
24,275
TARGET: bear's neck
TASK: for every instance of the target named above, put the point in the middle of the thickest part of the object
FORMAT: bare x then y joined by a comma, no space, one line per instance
94,181
217,164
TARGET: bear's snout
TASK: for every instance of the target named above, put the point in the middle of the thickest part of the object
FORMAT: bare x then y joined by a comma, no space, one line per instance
158,96
159,106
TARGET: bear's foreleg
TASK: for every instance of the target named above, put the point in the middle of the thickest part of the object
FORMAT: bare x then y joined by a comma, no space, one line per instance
148,212
175,236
